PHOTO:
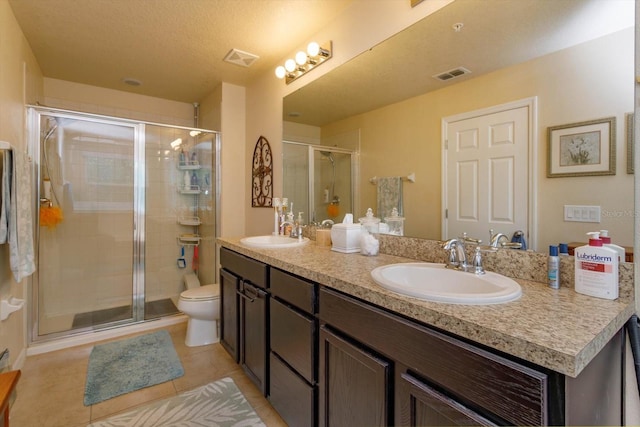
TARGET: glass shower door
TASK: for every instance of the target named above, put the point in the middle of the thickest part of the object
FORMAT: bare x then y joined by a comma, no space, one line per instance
86,277
331,184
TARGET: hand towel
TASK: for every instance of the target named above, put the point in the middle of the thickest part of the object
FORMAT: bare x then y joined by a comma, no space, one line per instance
389,196
5,195
20,234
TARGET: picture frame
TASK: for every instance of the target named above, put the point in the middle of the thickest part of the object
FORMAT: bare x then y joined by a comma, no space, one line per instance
630,146
582,149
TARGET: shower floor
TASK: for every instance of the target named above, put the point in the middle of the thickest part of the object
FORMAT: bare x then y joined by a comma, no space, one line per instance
152,310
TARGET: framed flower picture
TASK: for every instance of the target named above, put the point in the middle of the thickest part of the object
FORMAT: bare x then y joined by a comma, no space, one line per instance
582,149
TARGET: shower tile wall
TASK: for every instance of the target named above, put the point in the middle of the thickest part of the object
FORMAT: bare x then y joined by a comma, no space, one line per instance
164,205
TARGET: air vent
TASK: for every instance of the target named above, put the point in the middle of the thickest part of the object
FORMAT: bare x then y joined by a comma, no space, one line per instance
238,57
452,74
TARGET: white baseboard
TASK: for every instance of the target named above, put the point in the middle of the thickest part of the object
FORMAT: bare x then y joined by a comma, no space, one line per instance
62,343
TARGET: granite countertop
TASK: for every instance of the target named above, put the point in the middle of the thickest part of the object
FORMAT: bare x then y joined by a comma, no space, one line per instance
559,329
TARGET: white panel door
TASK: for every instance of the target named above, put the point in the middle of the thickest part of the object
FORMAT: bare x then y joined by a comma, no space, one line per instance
486,171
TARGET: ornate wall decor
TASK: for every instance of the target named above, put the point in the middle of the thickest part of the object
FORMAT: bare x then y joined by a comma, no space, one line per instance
262,174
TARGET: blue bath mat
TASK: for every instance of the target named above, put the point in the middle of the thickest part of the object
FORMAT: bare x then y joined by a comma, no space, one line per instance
123,366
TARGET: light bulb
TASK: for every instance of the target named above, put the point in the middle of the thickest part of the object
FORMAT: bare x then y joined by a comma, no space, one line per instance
313,49
301,58
280,72
290,65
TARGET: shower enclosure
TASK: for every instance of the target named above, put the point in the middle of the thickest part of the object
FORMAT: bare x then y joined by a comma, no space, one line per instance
130,229
319,180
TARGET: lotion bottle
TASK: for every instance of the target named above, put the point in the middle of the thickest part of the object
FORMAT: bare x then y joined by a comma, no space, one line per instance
606,242
596,269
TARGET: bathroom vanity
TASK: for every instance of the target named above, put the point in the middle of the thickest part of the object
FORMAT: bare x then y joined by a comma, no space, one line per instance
341,350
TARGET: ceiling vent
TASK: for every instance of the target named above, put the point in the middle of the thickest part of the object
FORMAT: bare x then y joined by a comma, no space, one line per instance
452,74
238,57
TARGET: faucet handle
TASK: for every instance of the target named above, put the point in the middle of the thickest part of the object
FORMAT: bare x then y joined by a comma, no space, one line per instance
467,239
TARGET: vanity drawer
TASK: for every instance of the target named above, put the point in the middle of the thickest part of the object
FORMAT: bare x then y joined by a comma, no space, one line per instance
247,268
290,395
294,290
293,338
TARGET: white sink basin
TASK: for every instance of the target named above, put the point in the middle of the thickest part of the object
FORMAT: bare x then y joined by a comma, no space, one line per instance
271,242
434,282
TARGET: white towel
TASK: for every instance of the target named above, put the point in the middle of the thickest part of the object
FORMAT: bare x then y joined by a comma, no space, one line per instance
389,196
20,233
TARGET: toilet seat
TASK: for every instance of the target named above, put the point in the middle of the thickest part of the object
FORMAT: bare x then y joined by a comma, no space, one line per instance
203,293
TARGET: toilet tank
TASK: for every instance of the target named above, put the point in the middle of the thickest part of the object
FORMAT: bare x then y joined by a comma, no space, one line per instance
191,281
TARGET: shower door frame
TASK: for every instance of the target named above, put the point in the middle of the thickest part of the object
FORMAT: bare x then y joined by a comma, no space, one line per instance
34,114
311,150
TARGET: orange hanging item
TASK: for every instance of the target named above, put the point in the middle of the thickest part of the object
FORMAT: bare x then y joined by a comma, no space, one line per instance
50,216
333,210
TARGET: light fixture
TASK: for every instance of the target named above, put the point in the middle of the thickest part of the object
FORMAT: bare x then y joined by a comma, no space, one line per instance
304,61
176,143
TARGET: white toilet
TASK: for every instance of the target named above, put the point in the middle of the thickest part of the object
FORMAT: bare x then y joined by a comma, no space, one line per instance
202,305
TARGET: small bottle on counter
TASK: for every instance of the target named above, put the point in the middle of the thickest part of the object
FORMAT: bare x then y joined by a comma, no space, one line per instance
553,267
564,249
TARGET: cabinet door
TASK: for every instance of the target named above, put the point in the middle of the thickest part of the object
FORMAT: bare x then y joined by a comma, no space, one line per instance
229,313
354,384
421,405
253,336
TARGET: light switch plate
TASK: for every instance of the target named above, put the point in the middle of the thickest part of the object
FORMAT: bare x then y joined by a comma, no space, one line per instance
581,213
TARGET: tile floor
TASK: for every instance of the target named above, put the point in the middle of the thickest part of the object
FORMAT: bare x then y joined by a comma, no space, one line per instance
51,388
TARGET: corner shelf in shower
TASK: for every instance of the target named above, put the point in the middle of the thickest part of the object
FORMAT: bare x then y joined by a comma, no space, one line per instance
192,165
191,189
189,220
189,239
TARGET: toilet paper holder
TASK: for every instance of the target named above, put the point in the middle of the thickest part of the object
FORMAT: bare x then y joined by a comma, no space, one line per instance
8,306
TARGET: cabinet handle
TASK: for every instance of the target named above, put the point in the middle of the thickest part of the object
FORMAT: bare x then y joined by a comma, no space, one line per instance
251,293
247,297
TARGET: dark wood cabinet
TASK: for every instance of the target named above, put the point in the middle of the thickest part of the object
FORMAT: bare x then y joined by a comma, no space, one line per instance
251,307
499,389
294,344
326,358
253,334
229,331
422,405
354,383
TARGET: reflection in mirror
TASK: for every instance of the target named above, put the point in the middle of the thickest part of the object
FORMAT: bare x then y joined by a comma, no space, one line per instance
325,173
574,57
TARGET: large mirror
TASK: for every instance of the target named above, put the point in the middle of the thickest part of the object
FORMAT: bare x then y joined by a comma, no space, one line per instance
573,58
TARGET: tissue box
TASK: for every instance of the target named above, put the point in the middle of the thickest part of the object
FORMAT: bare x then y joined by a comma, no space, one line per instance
345,238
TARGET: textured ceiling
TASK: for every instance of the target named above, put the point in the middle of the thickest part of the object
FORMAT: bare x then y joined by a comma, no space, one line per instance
175,48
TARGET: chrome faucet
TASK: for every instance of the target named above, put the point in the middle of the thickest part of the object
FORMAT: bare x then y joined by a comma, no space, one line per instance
501,240
327,223
457,254
457,258
283,226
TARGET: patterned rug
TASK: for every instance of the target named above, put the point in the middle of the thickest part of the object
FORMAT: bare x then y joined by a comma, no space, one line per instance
219,403
124,366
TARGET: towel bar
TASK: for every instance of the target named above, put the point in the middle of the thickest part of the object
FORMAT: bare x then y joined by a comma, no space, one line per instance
411,178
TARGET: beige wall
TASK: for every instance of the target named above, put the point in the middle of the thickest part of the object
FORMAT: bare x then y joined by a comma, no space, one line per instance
20,83
109,102
406,137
